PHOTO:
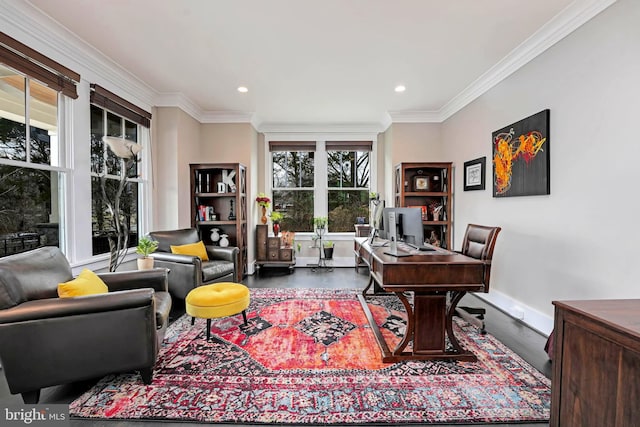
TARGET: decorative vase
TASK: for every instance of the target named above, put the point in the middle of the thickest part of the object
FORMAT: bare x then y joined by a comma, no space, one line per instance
145,263
276,229
264,215
224,242
215,236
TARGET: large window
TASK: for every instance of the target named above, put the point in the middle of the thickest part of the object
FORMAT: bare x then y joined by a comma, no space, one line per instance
348,177
30,164
114,116
321,179
293,185
106,175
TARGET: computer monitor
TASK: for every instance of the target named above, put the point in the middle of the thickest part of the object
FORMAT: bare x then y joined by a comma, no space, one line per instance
408,226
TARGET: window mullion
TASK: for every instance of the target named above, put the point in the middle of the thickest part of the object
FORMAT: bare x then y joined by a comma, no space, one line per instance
320,180
27,118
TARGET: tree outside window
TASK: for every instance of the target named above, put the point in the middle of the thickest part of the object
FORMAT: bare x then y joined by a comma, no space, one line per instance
348,178
336,184
293,186
107,167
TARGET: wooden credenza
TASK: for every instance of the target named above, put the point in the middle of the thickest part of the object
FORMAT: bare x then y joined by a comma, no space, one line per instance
270,252
596,376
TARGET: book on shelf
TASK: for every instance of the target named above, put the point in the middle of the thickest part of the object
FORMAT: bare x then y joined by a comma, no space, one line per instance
206,213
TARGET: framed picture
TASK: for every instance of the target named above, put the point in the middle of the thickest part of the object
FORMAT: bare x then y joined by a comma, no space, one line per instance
474,173
521,157
420,183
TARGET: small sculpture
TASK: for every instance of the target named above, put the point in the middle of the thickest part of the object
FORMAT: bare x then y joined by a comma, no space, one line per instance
433,239
232,215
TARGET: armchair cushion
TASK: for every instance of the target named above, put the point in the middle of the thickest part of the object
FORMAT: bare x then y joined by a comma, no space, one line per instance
211,270
193,249
87,283
32,275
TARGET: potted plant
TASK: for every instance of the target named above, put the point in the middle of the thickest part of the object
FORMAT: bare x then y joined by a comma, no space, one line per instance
276,217
319,223
327,247
146,247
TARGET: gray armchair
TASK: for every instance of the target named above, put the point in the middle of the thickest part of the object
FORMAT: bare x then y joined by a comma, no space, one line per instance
46,340
188,272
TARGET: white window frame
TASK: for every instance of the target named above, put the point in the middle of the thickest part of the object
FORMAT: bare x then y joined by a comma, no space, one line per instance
144,170
320,172
59,162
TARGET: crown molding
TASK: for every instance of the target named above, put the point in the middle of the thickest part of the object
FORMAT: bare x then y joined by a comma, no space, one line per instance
226,117
321,128
179,100
568,20
33,27
415,116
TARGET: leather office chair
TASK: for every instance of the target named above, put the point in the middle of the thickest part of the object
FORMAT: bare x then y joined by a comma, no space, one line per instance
188,272
46,340
479,242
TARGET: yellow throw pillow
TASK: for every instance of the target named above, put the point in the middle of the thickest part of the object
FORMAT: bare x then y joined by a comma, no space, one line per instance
87,283
193,249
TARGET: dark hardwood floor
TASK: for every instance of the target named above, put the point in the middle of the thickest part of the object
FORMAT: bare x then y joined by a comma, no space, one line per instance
515,335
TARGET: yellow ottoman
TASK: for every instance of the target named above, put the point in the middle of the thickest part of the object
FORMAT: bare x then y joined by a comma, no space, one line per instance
217,300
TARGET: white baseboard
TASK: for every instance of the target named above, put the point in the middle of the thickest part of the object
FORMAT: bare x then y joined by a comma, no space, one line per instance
532,318
303,262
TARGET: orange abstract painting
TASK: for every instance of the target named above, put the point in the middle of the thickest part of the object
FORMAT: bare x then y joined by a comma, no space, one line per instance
521,157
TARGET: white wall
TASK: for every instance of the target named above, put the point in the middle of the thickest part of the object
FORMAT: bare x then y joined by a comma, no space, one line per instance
235,143
409,142
580,242
176,143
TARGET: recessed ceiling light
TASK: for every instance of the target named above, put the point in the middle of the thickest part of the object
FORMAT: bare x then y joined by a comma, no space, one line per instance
243,89
400,88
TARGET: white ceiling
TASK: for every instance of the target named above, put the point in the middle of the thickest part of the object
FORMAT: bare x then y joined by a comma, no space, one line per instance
326,61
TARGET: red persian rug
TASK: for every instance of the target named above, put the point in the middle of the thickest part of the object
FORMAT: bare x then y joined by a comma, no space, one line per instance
308,356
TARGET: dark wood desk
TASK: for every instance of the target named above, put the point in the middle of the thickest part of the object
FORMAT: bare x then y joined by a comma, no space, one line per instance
438,281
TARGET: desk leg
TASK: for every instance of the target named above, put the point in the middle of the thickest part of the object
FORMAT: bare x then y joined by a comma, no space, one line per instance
366,289
427,323
456,296
430,322
409,332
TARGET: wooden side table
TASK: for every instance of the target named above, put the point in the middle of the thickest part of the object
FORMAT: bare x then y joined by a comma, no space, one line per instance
270,252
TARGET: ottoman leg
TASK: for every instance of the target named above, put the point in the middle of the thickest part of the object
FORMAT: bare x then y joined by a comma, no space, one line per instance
208,329
244,316
193,321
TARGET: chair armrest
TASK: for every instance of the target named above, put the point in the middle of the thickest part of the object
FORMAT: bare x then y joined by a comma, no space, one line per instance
177,258
229,253
155,279
63,307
